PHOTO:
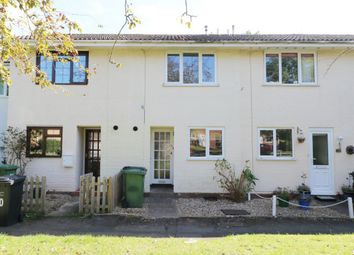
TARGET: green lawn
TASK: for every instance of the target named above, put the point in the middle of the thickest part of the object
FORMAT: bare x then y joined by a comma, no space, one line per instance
242,244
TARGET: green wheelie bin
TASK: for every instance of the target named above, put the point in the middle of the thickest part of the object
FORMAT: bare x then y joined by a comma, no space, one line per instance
11,189
133,186
7,169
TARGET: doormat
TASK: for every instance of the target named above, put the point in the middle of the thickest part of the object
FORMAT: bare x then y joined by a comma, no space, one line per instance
234,212
326,198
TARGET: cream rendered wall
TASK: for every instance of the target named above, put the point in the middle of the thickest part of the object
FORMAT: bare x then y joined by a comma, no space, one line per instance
135,95
328,105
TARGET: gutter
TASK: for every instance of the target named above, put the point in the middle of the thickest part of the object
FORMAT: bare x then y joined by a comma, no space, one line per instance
221,44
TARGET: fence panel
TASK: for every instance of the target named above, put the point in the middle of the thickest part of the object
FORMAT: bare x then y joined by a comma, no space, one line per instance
34,193
96,194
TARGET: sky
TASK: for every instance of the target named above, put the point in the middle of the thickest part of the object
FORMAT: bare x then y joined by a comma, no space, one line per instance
263,16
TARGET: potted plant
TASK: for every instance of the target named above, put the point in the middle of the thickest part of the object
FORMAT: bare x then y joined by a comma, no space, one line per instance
284,194
348,190
304,193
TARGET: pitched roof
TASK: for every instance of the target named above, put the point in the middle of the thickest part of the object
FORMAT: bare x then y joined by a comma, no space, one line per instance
214,38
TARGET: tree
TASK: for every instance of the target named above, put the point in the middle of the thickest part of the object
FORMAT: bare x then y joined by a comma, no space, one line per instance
49,32
49,36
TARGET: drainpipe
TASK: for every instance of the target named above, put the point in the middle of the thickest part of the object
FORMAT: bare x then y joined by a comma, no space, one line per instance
251,110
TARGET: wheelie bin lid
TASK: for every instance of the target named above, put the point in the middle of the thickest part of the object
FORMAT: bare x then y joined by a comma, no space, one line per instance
134,170
8,167
12,179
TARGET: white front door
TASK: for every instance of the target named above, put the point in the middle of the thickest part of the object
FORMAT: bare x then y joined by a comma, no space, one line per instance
321,161
162,156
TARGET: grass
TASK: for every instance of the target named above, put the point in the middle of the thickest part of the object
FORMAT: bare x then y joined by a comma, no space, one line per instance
241,244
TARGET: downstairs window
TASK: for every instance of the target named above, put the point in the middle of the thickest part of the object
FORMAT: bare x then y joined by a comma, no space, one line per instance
44,142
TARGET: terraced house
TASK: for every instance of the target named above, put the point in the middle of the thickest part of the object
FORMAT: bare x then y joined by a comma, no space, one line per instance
180,102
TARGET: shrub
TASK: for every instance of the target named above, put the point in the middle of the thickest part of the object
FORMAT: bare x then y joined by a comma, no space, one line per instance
14,141
237,187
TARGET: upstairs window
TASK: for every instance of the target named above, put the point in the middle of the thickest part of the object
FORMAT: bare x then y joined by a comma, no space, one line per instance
275,143
290,68
44,142
191,68
206,143
65,72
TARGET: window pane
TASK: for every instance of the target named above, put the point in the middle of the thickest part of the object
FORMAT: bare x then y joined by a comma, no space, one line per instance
53,131
53,146
190,68
46,65
272,68
208,61
289,68
320,149
284,143
36,142
197,143
79,73
266,143
173,67
308,67
2,88
215,143
62,71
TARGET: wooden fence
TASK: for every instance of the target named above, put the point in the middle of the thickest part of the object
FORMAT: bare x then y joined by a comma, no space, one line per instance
96,194
34,193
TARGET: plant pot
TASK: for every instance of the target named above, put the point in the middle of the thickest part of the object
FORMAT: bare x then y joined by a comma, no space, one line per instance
282,203
304,203
304,199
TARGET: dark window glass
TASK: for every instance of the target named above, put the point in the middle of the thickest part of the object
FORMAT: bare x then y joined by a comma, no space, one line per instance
62,70
272,67
79,72
308,67
284,143
46,66
190,68
197,143
44,142
65,70
215,143
173,68
320,149
266,143
289,68
208,62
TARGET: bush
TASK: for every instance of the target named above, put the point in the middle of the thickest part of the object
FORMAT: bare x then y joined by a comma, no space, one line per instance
14,140
237,187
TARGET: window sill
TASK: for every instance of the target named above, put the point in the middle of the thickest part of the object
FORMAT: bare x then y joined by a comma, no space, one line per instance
167,84
276,159
290,85
205,158
3,97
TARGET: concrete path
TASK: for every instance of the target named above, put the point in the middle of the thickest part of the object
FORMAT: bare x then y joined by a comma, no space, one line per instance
177,227
161,207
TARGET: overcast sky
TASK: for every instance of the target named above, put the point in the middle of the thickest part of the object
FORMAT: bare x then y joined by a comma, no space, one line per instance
265,16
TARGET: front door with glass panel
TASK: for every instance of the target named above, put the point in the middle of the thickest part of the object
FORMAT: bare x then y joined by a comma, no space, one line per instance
93,152
321,162
162,156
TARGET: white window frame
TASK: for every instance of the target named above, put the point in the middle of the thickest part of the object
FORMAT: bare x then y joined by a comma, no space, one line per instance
280,82
275,157
200,70
207,145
